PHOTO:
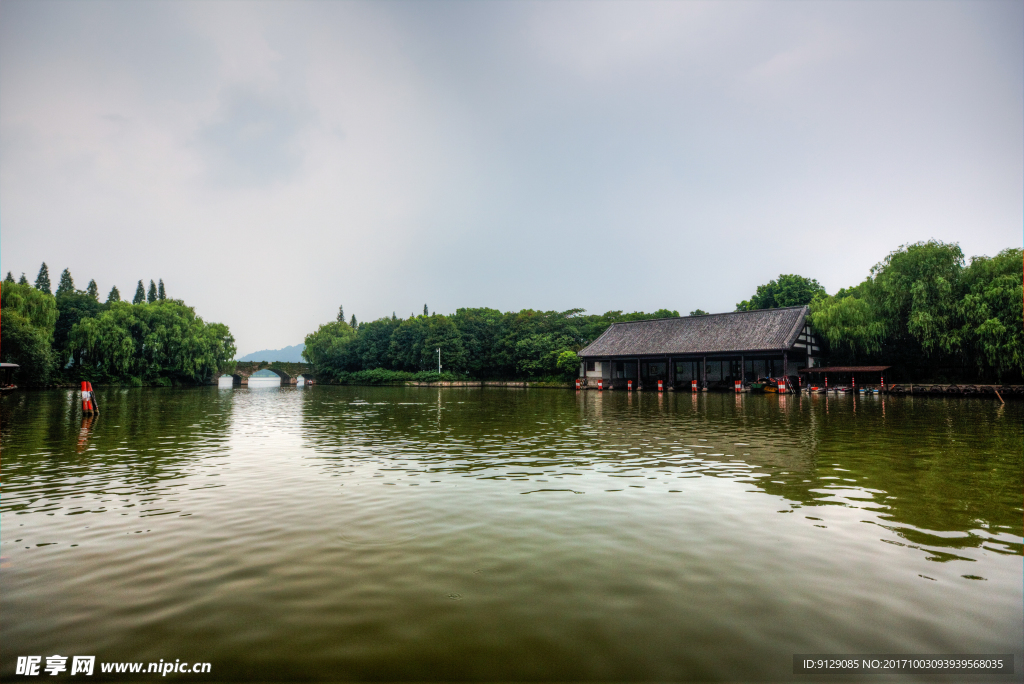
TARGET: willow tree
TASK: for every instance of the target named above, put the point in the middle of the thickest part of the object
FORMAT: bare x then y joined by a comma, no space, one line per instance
26,333
161,343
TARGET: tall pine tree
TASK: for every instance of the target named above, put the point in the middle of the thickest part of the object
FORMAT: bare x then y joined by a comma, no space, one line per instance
161,293
151,297
114,296
93,290
43,279
23,280
66,284
140,294
341,314
9,278
425,310
353,323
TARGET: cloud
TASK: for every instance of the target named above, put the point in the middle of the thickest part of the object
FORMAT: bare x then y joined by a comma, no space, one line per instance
253,140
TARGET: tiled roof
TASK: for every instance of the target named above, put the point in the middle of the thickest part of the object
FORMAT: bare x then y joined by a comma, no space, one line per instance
744,331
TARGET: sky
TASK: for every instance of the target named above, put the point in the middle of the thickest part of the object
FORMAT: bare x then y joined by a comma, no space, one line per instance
271,161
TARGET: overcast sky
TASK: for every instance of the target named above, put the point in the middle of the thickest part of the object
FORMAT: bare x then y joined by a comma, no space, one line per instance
272,160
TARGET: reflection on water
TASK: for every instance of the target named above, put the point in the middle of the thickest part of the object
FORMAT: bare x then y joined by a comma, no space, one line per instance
413,533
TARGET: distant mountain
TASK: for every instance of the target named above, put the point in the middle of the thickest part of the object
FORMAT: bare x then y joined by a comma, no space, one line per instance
293,354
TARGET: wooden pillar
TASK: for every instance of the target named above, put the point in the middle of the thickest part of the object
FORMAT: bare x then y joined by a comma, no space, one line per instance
704,372
785,364
671,373
743,368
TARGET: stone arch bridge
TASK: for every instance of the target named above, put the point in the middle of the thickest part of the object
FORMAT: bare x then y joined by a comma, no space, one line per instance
288,372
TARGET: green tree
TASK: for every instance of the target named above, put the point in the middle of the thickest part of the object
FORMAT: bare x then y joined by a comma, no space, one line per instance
341,314
850,324
569,363
916,290
26,333
160,343
66,283
161,293
353,324
442,334
786,290
9,278
43,279
23,280
425,312
114,296
990,313
151,297
326,349
140,294
93,290
72,307
699,312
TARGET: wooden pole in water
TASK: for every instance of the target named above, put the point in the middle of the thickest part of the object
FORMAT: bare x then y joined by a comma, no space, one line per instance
1000,396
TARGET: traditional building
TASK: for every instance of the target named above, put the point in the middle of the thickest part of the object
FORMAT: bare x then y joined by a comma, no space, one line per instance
715,350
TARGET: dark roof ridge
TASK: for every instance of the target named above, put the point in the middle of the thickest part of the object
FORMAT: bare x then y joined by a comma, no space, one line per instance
724,313
757,330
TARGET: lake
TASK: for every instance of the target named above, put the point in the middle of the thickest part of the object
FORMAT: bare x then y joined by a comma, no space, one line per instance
357,533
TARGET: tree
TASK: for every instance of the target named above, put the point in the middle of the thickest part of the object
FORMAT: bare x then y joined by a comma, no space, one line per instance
425,312
326,348
114,296
151,297
353,324
916,290
43,279
569,364
161,344
786,290
850,324
140,294
442,334
72,307
66,284
93,290
341,314
161,293
9,278
990,314
699,312
23,280
29,316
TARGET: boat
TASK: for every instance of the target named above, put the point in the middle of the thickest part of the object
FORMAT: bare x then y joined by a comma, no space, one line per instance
7,377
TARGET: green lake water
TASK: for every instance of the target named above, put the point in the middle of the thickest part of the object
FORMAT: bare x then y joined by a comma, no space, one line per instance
354,533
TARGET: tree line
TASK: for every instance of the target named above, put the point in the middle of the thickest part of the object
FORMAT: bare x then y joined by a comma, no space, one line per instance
932,315
70,335
479,343
924,310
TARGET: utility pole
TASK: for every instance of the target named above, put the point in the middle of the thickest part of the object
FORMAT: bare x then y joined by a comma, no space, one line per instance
438,360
